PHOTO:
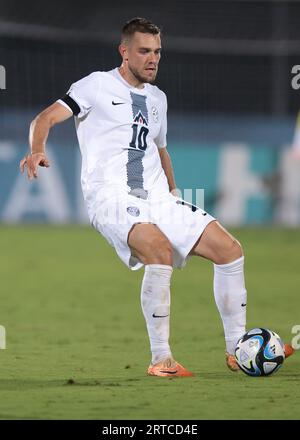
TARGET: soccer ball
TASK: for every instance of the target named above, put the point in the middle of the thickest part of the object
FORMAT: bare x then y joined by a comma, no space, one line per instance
259,352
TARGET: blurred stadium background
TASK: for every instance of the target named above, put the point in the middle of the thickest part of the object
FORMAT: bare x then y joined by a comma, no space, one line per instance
227,71
69,305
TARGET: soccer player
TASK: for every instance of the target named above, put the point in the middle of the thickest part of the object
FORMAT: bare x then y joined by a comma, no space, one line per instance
129,190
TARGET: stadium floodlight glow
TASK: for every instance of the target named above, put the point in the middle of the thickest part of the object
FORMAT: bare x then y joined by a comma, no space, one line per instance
2,78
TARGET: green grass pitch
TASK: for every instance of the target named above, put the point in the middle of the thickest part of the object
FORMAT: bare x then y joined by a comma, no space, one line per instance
77,346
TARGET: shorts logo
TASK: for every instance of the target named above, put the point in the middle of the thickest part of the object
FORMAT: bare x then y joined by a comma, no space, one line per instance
133,210
154,112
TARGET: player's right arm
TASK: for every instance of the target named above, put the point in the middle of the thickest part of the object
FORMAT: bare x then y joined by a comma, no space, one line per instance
38,134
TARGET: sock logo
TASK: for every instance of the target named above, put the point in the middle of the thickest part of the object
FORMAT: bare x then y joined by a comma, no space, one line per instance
243,304
159,316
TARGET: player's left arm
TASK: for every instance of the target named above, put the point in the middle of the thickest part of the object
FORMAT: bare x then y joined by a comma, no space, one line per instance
168,168
161,142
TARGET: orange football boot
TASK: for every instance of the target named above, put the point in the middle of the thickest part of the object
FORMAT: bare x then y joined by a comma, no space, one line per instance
231,362
233,365
168,368
288,350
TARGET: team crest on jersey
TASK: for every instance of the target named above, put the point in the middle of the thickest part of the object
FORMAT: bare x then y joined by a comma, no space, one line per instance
133,210
140,118
154,112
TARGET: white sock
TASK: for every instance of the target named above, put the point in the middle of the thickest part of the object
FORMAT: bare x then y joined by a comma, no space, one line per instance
155,299
231,297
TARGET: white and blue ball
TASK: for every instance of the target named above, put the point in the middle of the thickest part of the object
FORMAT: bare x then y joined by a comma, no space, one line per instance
259,352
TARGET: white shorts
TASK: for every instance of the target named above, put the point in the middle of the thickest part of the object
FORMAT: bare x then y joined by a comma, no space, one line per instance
182,223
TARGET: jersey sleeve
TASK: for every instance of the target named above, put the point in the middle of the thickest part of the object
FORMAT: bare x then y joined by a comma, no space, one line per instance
161,139
82,95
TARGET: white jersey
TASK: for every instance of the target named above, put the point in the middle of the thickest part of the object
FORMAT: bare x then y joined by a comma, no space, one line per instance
119,129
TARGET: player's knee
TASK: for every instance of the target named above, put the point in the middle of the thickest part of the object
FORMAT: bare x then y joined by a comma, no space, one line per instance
230,250
159,251
166,254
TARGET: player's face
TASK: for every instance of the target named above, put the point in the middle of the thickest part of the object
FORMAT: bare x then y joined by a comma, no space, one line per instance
143,53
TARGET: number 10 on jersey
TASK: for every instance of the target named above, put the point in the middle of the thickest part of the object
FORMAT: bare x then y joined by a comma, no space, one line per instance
139,137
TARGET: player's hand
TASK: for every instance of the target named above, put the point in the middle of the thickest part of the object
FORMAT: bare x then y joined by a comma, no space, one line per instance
32,161
176,192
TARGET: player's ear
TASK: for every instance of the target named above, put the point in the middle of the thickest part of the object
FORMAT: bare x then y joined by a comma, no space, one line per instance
123,52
